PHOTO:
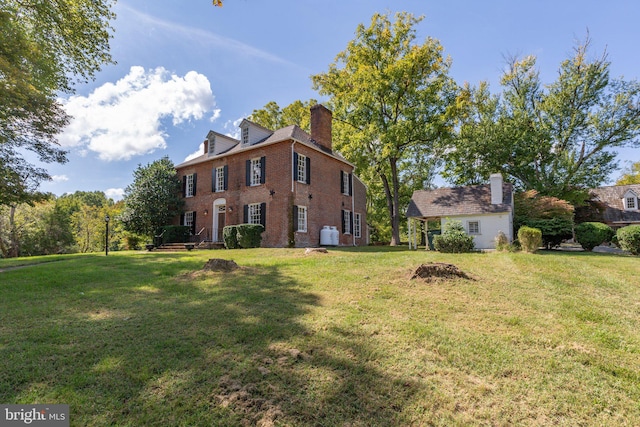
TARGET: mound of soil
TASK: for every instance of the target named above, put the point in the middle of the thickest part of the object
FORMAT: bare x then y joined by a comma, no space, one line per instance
438,270
218,264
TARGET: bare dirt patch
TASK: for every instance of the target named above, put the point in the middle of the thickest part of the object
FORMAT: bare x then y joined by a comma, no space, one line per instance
438,270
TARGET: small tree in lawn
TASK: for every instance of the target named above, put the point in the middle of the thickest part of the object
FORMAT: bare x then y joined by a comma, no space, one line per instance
153,199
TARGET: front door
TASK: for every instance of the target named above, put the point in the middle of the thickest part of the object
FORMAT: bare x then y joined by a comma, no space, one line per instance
220,213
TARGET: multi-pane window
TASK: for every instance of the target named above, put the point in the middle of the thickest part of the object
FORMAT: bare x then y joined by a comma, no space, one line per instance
356,225
189,187
253,215
345,184
212,145
256,171
631,203
302,168
346,222
473,227
220,178
302,219
245,135
188,219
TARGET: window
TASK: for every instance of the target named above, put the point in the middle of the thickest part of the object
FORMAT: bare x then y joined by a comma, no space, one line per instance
631,203
302,219
254,215
220,181
346,222
189,220
212,145
473,227
256,171
189,185
345,183
302,168
245,135
356,225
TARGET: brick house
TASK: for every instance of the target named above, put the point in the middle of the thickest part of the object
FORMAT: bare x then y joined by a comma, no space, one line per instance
289,181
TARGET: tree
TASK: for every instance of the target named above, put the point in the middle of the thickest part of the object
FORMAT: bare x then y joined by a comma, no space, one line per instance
47,47
153,199
631,175
296,113
393,99
557,139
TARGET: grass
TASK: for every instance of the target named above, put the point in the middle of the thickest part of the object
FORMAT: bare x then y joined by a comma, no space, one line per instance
343,338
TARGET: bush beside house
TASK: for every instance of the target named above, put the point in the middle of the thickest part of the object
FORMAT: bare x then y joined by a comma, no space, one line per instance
242,236
592,234
530,238
629,239
454,239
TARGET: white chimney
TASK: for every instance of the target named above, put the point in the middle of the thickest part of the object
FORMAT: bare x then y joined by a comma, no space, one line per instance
496,188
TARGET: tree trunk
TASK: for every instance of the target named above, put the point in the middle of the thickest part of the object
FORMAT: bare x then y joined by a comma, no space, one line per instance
393,199
14,245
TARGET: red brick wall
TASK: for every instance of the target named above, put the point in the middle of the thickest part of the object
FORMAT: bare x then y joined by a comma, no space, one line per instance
323,208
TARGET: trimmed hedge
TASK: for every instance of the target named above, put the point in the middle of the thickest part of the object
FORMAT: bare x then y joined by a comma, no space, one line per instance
554,230
629,239
454,239
530,238
242,236
592,234
173,234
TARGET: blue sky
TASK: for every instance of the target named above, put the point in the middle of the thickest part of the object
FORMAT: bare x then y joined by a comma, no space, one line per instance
185,67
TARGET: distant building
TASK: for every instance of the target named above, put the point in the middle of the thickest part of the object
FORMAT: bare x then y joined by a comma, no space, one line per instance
290,181
484,210
619,203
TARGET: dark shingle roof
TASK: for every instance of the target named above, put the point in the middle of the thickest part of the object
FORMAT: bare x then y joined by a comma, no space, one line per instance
470,200
612,198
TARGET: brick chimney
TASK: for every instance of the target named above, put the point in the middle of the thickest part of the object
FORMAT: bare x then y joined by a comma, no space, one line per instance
321,126
495,181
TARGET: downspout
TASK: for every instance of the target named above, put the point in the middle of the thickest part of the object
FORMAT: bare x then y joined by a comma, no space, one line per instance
292,166
353,211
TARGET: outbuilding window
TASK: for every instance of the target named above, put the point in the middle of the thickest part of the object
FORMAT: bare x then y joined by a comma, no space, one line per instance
473,227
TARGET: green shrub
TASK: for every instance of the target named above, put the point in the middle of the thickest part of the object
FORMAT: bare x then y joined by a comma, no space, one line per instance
174,234
592,234
554,230
453,239
230,236
530,238
133,241
242,236
629,238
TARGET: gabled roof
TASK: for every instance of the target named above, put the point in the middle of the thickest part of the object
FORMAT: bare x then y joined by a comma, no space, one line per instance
612,197
288,133
456,201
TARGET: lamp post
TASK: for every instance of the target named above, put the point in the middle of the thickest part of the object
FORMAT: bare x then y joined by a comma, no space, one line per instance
106,235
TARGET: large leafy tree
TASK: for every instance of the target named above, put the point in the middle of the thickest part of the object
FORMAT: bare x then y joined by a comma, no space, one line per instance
273,117
393,98
631,175
153,199
558,139
45,48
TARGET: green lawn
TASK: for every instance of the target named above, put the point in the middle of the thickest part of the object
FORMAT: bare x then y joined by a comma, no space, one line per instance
341,339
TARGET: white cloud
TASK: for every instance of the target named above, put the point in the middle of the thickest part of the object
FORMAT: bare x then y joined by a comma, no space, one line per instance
114,193
59,178
122,120
195,154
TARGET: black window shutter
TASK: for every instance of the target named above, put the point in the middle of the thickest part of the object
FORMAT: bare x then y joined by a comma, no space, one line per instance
226,177
248,163
308,170
295,166
184,186
295,218
351,222
343,221
263,170
246,214
193,224
195,181
263,214
341,182
351,184
213,180
181,219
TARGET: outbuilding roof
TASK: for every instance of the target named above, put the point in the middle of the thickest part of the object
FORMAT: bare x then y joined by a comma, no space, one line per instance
612,197
457,201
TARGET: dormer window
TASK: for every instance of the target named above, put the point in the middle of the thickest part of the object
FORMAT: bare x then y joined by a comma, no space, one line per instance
630,201
245,135
212,145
